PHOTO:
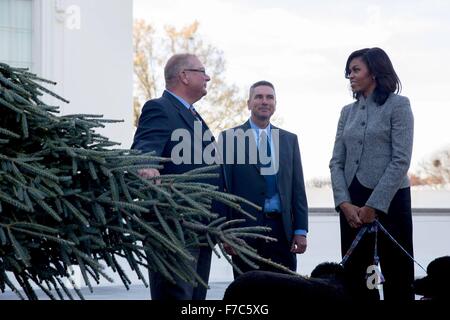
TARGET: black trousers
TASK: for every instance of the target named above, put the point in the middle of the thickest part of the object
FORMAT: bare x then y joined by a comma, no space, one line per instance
396,266
278,251
163,289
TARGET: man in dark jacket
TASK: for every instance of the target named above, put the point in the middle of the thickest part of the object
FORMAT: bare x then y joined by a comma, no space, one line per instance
263,165
163,121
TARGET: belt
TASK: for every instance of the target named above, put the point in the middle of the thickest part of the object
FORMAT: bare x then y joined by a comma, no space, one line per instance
272,215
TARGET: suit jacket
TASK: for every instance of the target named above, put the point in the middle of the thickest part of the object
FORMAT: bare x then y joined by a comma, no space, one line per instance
373,143
159,118
245,180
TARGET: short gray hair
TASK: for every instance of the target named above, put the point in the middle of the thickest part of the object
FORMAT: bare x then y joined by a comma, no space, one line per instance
260,84
175,65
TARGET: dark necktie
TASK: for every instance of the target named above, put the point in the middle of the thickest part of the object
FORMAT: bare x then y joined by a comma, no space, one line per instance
194,113
264,147
266,152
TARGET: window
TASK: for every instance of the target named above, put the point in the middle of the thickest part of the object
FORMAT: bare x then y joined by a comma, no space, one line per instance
16,32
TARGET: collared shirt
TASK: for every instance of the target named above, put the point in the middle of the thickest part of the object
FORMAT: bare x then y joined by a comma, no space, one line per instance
274,203
187,105
183,102
257,131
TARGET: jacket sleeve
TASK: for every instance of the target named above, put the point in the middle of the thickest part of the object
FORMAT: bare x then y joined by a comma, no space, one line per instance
153,130
337,164
224,176
402,132
299,201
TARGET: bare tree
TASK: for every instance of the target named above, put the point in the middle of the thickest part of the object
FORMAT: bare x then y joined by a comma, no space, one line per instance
319,183
436,170
224,106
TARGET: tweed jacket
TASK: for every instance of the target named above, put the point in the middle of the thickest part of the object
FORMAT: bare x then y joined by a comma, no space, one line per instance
374,143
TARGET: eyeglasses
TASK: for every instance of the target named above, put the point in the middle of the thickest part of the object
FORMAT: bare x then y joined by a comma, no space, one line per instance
196,70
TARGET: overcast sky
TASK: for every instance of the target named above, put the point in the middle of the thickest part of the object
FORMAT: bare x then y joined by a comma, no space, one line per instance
302,47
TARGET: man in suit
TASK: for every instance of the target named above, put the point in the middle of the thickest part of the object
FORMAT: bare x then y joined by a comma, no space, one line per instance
274,181
186,81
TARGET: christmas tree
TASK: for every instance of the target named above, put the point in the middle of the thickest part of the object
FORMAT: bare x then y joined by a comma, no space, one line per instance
69,197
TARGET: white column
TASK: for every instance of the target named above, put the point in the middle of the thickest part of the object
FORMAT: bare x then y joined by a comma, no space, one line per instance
86,47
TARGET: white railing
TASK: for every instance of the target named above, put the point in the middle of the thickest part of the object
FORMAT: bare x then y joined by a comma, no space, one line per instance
430,231
431,240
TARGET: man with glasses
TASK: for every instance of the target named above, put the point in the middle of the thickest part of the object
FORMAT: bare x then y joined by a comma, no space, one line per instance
186,82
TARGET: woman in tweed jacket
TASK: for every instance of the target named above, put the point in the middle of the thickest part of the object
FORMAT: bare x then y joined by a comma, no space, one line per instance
371,158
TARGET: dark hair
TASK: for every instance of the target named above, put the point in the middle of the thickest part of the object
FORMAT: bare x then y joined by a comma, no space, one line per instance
380,66
259,84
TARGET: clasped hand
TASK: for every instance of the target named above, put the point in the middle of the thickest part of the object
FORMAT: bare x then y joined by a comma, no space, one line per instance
357,216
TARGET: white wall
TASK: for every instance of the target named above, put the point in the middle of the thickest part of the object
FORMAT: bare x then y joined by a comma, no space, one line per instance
86,46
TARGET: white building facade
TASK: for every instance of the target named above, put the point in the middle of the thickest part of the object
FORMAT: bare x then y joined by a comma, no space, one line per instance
83,45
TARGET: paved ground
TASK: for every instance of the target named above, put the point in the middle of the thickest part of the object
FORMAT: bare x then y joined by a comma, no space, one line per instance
136,292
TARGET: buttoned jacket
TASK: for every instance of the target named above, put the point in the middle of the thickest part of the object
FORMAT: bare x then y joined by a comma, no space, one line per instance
374,144
245,180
